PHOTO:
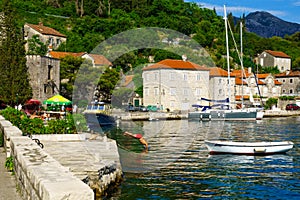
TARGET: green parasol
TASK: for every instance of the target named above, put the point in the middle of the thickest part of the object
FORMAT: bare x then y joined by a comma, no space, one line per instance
57,100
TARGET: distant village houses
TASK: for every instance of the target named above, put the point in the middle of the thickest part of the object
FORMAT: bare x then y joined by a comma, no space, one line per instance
49,36
277,59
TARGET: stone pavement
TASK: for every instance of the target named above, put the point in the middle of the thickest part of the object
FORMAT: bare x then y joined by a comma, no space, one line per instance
8,187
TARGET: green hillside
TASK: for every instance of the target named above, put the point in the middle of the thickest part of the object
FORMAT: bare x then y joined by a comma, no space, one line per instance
87,23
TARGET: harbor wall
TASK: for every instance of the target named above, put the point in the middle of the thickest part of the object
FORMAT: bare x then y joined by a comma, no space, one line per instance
41,175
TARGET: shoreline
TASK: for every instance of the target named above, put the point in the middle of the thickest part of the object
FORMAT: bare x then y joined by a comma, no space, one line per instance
152,116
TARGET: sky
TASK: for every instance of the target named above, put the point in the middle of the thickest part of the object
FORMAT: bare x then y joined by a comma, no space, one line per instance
288,10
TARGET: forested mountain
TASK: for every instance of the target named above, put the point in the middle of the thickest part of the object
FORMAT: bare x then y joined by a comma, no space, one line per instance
266,25
87,23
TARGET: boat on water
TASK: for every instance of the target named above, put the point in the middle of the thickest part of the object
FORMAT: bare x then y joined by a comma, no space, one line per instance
222,109
98,113
222,112
248,148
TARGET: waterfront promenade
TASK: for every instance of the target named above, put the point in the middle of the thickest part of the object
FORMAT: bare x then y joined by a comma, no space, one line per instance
77,166
8,185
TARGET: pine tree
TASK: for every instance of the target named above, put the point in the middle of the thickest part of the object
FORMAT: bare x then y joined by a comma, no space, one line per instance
14,76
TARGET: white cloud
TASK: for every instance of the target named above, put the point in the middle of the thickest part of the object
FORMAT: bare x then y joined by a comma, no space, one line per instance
237,10
297,3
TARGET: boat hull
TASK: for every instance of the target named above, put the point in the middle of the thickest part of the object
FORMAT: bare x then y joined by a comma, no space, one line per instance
227,115
99,118
248,148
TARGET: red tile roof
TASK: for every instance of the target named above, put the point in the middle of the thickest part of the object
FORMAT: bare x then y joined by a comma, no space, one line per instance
262,75
259,82
176,64
217,71
239,81
45,30
277,54
128,79
290,74
239,97
58,54
100,60
277,82
238,73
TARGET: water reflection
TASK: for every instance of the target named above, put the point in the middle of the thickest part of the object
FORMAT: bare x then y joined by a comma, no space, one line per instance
178,166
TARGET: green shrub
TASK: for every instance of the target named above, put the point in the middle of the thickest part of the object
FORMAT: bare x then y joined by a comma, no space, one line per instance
286,98
1,139
36,126
270,102
9,164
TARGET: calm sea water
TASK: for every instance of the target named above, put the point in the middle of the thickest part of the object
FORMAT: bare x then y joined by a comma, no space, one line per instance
177,165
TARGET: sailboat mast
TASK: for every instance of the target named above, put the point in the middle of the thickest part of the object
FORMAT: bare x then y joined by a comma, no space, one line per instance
242,64
227,55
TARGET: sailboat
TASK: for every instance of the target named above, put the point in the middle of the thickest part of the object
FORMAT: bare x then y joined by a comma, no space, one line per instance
228,114
248,148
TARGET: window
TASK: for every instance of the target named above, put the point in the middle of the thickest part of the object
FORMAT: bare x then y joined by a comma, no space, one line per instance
173,91
185,77
291,80
146,77
58,41
50,41
262,62
291,91
220,91
282,68
198,92
156,76
146,91
283,91
220,81
172,76
185,92
156,91
283,80
198,77
50,72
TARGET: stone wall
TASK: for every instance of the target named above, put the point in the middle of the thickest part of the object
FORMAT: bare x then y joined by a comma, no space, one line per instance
39,175
44,76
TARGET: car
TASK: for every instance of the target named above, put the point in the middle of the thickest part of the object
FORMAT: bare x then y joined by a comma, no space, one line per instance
143,109
292,106
131,108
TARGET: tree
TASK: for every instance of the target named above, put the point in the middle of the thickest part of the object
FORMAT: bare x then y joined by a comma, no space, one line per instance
36,47
270,102
69,67
107,83
14,76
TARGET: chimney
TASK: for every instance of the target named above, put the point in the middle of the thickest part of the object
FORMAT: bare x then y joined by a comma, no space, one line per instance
41,24
287,72
249,70
184,58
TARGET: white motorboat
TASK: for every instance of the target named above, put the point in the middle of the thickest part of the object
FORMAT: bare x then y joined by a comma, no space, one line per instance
248,148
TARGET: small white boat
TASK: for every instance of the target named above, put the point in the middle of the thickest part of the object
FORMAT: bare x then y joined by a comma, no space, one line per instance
248,148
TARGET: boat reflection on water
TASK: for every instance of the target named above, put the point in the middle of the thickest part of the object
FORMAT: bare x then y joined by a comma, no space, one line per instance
98,117
270,161
167,142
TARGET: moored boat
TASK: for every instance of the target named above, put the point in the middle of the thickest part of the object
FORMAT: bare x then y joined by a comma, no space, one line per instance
99,113
248,148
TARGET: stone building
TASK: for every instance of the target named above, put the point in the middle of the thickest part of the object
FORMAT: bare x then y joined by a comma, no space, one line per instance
277,59
249,85
290,82
50,37
44,76
175,84
218,84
